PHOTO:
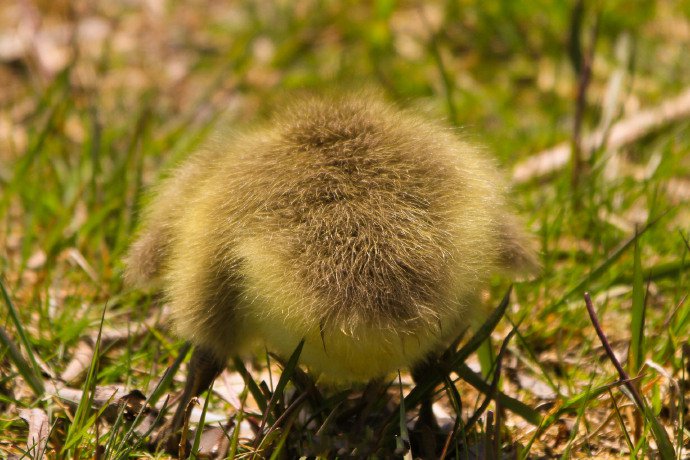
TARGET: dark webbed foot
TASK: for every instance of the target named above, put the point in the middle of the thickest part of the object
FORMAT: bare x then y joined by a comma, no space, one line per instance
204,367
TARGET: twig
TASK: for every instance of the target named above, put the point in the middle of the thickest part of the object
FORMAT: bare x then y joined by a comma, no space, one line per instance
609,352
624,132
584,79
665,448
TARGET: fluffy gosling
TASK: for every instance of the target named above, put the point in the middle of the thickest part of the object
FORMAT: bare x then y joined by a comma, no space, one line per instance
365,230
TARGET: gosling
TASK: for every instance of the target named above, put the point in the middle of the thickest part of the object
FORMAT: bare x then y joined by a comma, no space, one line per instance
364,230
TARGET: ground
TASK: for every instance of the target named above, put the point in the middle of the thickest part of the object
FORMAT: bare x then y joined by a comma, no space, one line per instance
584,104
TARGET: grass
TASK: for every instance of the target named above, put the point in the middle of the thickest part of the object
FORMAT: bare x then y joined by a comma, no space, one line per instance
82,137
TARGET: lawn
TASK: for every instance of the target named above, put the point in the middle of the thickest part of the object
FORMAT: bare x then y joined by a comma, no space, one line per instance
585,105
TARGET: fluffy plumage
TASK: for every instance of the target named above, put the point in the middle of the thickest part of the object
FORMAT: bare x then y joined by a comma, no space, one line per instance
367,230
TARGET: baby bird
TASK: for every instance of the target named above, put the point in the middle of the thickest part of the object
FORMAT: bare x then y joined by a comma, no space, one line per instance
365,230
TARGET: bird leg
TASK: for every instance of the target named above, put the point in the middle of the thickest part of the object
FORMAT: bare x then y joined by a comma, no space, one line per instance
420,373
426,430
204,367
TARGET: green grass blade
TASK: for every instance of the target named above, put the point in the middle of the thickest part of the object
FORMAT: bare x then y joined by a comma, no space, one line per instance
239,416
251,384
76,429
403,441
423,388
200,425
286,375
523,410
31,372
484,332
114,432
637,352
580,413
166,380
486,356
657,272
23,367
621,422
601,268
277,395
280,445
666,451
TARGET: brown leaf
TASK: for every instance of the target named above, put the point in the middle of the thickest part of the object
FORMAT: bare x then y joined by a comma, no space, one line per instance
81,360
39,428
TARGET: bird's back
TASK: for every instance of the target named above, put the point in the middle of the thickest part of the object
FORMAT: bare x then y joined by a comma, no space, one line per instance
355,213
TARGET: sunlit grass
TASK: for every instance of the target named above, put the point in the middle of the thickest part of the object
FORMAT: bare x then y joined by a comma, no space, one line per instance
70,200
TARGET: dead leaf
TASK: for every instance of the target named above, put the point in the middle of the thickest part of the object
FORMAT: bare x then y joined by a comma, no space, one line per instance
39,429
